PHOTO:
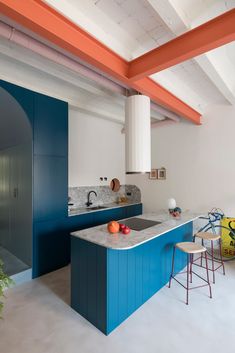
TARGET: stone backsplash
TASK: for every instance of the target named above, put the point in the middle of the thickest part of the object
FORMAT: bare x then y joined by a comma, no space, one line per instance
78,195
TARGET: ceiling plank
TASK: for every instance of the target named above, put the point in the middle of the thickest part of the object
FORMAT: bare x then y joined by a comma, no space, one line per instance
51,25
219,79
208,36
178,24
44,21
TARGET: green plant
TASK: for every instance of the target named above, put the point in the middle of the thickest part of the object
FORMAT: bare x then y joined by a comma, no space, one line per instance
5,282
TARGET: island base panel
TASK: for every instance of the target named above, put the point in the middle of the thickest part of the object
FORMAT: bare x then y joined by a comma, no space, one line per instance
108,285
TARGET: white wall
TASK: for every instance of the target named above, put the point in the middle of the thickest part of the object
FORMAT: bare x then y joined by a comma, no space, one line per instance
200,163
96,148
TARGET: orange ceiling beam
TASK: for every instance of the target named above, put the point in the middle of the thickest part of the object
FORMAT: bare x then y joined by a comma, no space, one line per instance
158,93
49,24
208,36
44,21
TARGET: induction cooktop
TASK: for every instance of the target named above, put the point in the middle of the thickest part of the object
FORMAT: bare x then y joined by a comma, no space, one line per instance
139,223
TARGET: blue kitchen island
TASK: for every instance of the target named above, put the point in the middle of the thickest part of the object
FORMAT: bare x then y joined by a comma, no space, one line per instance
113,275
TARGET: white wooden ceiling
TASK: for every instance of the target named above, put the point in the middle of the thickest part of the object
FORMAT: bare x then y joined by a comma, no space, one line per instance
133,27
130,28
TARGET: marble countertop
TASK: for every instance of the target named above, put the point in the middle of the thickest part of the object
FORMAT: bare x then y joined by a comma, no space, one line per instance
100,236
81,210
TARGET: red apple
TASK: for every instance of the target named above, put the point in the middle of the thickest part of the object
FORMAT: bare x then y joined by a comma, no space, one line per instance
175,214
126,230
121,227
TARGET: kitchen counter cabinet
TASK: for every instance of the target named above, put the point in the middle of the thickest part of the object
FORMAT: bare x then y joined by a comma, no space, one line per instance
108,284
95,218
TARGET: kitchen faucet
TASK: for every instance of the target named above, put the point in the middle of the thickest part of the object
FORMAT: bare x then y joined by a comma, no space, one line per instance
89,203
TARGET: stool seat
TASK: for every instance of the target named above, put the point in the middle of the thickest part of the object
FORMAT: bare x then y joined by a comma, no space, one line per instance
207,236
190,247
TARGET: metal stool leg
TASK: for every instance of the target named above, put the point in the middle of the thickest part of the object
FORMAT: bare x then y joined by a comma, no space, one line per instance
188,270
201,253
212,260
172,267
191,265
207,274
220,252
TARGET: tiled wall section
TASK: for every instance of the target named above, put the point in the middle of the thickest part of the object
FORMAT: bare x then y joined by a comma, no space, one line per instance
78,195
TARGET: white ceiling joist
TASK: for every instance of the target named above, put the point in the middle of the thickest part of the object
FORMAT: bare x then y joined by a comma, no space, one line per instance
178,23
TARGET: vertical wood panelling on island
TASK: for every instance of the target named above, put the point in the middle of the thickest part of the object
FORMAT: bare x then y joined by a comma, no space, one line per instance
124,279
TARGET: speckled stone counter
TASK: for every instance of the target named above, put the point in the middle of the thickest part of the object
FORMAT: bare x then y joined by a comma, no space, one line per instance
100,236
113,275
81,210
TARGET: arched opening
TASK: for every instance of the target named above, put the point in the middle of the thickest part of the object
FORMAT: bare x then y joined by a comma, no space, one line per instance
15,186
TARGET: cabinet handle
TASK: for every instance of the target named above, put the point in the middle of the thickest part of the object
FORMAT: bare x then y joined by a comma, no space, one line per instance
15,193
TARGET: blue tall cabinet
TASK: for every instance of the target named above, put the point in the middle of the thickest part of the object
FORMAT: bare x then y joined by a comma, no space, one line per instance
49,121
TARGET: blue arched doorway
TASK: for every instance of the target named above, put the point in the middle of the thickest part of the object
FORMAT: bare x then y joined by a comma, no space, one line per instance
15,186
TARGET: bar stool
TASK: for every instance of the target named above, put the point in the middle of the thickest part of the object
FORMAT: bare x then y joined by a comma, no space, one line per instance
210,237
190,248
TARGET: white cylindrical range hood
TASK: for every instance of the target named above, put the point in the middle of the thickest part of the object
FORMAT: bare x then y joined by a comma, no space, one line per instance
138,134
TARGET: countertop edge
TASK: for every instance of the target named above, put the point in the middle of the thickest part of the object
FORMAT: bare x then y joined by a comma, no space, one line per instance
105,209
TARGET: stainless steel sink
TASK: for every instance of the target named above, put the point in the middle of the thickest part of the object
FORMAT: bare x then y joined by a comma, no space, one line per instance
95,208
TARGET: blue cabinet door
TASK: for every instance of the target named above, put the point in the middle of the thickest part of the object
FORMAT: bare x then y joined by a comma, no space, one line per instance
80,222
113,214
50,187
51,246
134,210
50,126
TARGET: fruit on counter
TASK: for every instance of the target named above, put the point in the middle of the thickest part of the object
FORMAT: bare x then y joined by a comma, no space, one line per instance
126,230
176,212
113,227
177,209
121,226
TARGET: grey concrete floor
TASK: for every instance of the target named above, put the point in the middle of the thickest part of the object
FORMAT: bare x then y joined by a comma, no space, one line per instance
38,319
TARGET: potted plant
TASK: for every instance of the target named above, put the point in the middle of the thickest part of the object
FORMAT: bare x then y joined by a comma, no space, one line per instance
5,282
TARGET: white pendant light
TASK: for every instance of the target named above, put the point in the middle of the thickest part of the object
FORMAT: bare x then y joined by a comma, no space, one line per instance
138,134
